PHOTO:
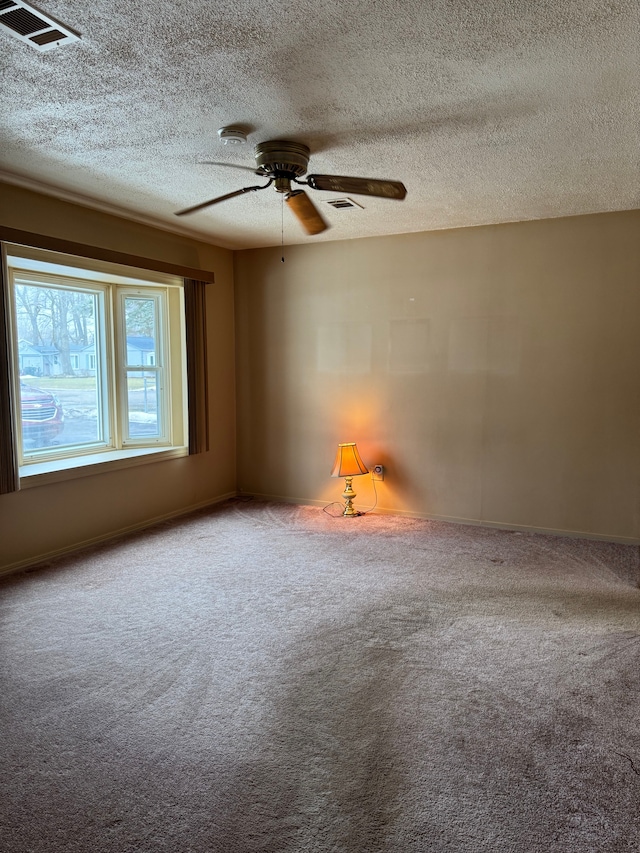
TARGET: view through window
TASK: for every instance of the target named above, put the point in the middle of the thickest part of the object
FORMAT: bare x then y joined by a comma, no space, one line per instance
99,357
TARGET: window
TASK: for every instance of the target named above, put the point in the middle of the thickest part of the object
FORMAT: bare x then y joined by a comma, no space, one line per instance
99,361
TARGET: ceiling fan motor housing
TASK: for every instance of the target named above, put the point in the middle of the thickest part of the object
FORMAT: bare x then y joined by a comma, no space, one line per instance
280,159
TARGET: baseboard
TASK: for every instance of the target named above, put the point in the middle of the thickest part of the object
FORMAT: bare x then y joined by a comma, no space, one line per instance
22,565
474,522
113,535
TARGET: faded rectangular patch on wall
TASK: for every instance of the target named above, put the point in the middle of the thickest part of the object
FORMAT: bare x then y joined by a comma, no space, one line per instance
468,345
408,346
485,344
344,348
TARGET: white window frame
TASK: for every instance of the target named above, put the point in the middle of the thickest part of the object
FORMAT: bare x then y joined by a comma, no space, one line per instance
115,282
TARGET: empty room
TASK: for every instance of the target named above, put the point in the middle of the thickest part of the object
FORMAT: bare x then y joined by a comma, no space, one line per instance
320,506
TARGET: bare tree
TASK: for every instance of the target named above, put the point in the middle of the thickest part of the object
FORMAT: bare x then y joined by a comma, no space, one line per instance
29,309
55,316
140,316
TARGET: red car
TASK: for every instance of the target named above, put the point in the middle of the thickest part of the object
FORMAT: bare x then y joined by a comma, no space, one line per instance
42,416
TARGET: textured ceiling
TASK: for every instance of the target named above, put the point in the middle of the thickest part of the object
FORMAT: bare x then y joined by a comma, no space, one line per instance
491,111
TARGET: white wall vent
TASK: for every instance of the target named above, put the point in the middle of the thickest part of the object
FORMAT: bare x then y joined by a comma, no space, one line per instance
344,203
32,26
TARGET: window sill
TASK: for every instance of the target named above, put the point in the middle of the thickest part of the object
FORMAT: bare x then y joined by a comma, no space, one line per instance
41,473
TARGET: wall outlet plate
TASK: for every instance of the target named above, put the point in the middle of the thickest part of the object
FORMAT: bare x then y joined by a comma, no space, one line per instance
377,472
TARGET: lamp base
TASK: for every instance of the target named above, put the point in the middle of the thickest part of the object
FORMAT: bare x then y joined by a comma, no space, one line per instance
349,510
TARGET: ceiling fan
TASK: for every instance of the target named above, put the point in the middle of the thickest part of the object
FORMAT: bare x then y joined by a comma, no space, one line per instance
286,162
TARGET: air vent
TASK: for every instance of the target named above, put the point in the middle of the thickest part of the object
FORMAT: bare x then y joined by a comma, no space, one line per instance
344,203
30,25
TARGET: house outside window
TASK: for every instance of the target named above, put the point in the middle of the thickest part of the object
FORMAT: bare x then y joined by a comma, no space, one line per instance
99,351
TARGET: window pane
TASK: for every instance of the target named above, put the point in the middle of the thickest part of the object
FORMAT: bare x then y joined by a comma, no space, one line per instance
140,329
142,404
59,383
95,353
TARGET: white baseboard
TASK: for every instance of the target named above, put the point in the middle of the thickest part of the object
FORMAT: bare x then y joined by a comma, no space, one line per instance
125,531
110,536
474,522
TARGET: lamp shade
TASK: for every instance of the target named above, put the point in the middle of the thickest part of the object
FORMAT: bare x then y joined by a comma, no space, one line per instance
348,462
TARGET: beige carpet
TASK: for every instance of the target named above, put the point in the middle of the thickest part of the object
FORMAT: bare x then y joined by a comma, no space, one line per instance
263,677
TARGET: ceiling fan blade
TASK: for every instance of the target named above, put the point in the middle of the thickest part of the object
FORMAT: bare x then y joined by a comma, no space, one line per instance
358,186
221,198
306,212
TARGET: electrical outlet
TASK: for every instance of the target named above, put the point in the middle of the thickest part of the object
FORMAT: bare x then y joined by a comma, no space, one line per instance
377,472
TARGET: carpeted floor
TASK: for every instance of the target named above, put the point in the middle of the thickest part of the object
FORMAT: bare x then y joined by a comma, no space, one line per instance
263,677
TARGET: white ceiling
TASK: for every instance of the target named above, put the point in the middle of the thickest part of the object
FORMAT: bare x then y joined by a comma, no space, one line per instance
488,110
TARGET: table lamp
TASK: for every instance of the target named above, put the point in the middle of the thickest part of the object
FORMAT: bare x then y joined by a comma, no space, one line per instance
348,464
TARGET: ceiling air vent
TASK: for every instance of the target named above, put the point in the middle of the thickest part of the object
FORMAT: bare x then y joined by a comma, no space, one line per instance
30,25
344,203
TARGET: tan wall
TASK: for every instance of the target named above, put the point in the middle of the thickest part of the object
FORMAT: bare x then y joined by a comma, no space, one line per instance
39,521
494,371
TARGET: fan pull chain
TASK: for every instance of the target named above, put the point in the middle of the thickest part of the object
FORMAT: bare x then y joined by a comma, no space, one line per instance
282,228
